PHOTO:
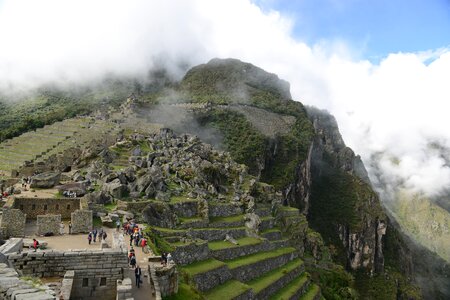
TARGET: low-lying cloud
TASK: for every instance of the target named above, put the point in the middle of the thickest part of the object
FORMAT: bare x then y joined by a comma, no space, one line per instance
394,110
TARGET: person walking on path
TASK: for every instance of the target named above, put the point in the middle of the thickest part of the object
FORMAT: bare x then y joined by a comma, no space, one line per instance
70,227
95,235
137,274
100,235
133,261
131,240
104,235
90,237
61,228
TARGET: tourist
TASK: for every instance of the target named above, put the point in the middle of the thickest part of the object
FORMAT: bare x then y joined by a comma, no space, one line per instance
169,259
61,228
90,237
137,274
104,235
70,227
130,255
163,258
133,261
35,244
131,240
136,239
118,225
94,233
100,235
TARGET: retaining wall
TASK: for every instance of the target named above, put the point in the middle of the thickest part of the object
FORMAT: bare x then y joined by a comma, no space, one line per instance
33,207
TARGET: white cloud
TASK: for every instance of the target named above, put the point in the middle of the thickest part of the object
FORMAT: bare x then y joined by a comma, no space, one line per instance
395,106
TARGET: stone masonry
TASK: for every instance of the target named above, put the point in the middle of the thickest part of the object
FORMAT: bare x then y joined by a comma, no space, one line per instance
44,206
95,272
82,221
48,223
12,223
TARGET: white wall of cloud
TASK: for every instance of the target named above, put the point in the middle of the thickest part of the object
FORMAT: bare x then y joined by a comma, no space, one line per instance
394,107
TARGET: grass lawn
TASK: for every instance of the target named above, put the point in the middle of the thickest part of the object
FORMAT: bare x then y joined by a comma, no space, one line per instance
264,281
202,266
228,290
289,290
185,291
97,222
219,245
253,258
110,207
227,219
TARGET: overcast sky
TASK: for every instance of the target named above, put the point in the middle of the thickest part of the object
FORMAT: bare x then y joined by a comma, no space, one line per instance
381,67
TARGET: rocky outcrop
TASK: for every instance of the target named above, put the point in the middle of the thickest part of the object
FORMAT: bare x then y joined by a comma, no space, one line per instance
45,180
361,231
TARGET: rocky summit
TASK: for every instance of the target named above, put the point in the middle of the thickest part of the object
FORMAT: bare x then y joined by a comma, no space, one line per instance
253,195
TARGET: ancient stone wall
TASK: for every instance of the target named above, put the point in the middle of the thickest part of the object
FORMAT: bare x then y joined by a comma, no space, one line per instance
12,287
44,206
223,210
95,272
82,221
187,254
67,285
168,280
13,223
124,288
48,223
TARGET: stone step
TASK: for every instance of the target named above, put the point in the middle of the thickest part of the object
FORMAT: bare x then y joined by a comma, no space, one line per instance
271,234
223,210
285,211
207,274
224,250
195,222
263,211
207,234
249,267
271,282
232,221
232,289
313,293
294,290
266,223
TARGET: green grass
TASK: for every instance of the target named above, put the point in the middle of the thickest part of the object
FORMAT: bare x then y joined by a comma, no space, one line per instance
228,290
271,230
202,266
97,222
185,291
219,245
311,293
179,199
289,290
253,258
230,219
110,206
264,281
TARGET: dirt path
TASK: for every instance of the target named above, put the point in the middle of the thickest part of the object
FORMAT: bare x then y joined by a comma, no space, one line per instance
144,292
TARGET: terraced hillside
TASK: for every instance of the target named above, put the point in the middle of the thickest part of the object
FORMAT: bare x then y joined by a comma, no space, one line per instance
263,266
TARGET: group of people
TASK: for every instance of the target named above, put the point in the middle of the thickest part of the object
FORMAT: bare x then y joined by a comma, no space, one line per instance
92,235
69,194
133,263
26,181
166,258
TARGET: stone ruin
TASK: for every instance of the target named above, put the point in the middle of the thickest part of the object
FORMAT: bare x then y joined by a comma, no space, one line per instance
12,223
82,221
48,224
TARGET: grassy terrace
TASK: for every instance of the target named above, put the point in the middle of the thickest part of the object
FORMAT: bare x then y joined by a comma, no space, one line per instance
179,199
289,290
271,230
311,293
228,290
219,245
267,279
231,219
202,266
253,258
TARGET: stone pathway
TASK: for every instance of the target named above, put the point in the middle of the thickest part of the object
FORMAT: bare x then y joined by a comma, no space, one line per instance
144,292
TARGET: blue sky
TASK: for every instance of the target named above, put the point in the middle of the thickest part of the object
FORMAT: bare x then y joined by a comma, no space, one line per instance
374,28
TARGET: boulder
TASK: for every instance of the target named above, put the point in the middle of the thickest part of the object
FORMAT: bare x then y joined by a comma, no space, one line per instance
252,222
159,214
45,180
100,197
115,188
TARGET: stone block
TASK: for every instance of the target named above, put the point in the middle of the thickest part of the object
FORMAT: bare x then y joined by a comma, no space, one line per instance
82,221
49,223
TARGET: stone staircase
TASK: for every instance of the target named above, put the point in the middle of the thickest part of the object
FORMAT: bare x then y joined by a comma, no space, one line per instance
263,267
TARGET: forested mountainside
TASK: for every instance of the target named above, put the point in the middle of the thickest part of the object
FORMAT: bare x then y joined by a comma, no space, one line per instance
352,249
